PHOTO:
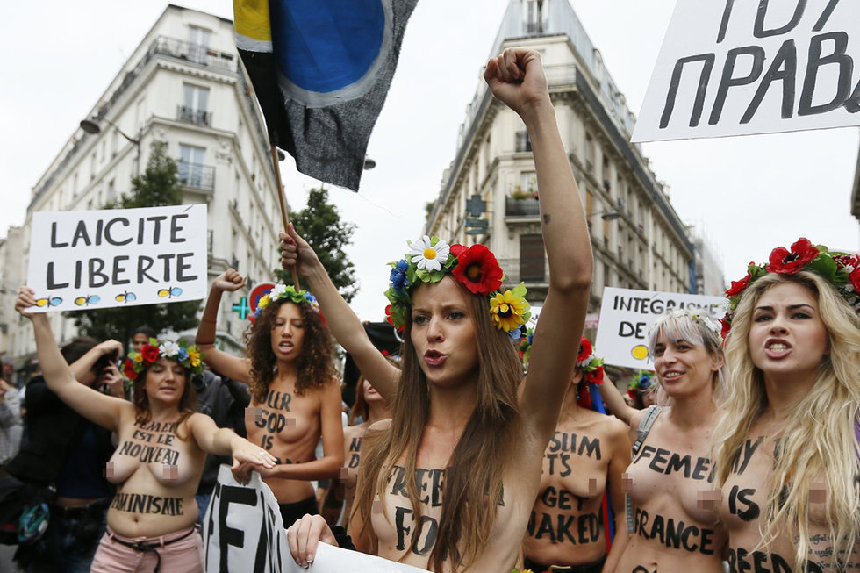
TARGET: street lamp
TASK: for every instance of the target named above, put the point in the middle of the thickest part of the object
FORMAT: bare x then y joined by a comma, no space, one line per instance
92,126
369,163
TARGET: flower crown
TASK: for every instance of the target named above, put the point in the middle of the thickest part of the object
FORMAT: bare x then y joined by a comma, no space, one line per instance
640,382
187,356
589,363
475,267
289,292
842,270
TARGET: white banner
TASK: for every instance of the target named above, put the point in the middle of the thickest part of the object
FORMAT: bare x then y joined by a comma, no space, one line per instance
243,532
627,315
101,259
737,67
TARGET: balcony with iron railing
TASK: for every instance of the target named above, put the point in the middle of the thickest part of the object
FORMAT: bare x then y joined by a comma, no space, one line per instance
196,116
196,175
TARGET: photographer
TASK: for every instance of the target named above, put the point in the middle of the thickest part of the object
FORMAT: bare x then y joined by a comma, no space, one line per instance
61,450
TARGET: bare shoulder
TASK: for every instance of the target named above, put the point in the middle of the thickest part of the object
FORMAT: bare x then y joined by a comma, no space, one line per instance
350,432
380,426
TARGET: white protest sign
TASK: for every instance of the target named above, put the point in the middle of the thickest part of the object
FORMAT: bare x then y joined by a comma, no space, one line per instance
101,259
737,67
243,532
627,315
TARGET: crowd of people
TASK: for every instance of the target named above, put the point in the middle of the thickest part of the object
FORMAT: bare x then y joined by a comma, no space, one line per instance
739,451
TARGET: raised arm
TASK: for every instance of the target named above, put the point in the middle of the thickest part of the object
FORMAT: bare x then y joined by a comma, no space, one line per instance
93,405
615,401
341,320
517,78
231,366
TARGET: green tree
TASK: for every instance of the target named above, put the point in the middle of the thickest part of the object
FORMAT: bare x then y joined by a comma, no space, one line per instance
319,223
158,185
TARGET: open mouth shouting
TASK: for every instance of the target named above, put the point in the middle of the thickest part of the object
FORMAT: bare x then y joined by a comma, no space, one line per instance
434,358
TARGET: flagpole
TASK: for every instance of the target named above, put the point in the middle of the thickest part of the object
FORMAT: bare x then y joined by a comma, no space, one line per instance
285,216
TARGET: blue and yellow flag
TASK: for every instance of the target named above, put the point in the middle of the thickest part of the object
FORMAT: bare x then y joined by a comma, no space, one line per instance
321,70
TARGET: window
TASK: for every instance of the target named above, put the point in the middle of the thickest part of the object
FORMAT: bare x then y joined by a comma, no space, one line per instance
532,257
589,152
195,102
191,165
533,16
198,44
523,143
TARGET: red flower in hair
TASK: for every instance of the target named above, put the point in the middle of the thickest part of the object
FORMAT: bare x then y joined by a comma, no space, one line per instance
847,261
128,369
584,350
738,286
390,320
477,269
595,376
854,277
149,353
631,394
726,326
787,263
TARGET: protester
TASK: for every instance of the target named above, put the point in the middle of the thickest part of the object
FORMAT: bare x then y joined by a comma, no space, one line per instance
642,390
463,451
141,336
569,529
371,408
295,394
787,452
62,450
672,521
161,448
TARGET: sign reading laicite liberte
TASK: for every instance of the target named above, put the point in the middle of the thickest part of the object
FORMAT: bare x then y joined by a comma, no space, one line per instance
109,258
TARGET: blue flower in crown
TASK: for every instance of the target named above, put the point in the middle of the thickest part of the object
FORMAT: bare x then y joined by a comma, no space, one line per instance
399,280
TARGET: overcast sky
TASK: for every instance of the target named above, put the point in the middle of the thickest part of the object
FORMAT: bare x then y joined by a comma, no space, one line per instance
747,194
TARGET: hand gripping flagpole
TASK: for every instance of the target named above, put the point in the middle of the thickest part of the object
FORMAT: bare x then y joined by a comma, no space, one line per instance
285,216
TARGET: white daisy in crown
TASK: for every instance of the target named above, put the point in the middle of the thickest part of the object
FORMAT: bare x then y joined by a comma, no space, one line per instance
278,291
427,255
169,348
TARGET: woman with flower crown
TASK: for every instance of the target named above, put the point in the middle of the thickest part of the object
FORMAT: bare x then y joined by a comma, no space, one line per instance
295,393
162,445
787,444
449,483
671,511
570,525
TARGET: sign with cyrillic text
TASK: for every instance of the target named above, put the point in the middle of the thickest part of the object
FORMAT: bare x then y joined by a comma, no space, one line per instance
737,67
243,532
626,317
101,259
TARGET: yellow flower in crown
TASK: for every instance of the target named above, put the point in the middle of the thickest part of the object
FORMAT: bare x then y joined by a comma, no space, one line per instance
509,310
137,357
264,301
194,357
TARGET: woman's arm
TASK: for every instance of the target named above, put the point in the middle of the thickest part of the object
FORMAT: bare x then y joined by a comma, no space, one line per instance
618,465
517,78
225,442
231,366
330,464
615,401
93,405
341,320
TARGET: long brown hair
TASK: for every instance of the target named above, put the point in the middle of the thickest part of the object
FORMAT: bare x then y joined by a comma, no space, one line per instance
473,480
187,403
314,365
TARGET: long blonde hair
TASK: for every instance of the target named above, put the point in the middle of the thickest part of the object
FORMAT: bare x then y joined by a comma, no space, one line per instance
473,479
819,435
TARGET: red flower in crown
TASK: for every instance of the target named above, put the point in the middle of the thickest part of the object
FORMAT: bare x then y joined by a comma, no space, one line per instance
854,277
738,286
849,262
584,350
477,269
726,326
390,320
149,353
128,369
787,263
595,376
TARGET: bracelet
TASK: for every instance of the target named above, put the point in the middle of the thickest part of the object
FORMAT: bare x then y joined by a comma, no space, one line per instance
210,320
